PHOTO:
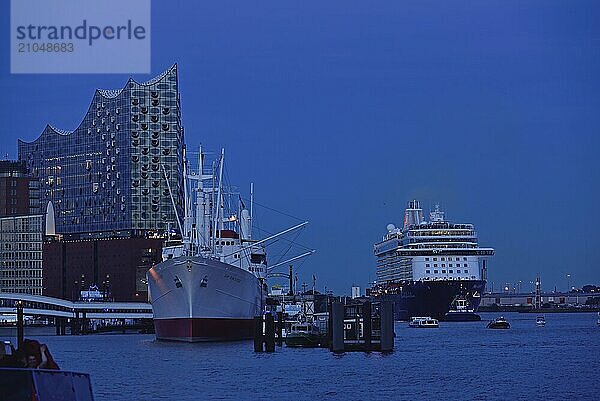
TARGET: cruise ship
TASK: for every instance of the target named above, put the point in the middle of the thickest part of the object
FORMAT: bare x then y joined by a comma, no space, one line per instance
425,266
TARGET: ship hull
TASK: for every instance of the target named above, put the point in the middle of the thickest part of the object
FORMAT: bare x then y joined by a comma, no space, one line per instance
430,298
199,299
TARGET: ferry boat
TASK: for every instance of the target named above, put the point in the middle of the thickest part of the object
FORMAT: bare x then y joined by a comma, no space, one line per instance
424,323
499,323
211,282
306,335
423,266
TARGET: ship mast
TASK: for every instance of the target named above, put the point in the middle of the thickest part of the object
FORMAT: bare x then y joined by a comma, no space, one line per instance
218,219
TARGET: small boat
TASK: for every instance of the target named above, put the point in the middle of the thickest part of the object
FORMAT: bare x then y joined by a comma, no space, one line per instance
461,311
540,321
305,335
499,323
598,321
424,323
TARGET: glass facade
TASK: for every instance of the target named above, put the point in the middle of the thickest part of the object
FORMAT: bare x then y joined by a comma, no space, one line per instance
109,176
21,254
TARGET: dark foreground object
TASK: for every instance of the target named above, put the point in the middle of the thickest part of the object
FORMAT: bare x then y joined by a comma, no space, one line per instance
42,384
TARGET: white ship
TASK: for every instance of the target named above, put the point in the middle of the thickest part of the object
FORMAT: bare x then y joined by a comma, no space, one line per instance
425,265
211,284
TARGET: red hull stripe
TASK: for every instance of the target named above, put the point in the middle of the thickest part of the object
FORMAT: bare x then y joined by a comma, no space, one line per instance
204,329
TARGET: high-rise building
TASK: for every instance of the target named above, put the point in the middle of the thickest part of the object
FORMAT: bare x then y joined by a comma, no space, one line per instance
21,254
120,171
14,188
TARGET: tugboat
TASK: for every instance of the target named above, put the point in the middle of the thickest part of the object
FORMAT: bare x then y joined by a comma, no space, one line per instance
461,311
424,323
303,335
540,321
499,323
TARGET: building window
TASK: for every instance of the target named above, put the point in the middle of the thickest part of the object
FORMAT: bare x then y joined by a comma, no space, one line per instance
426,259
450,271
435,271
458,271
435,265
443,271
427,271
427,265
465,265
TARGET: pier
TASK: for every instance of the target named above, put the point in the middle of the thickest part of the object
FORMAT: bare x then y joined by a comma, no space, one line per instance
362,326
77,315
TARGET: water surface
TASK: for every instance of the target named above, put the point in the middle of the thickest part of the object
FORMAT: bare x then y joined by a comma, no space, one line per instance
458,361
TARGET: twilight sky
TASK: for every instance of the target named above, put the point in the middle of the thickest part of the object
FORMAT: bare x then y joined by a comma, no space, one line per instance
341,112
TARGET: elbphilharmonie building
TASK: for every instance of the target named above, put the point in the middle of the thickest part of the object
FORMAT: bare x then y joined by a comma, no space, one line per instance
120,171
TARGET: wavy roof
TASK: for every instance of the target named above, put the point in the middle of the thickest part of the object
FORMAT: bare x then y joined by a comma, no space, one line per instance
108,94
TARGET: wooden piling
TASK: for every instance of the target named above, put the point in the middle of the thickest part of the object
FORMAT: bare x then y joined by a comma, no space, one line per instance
258,334
269,333
280,328
337,327
386,309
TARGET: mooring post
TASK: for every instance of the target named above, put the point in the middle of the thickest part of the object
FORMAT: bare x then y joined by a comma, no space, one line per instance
258,334
366,318
280,328
269,333
20,333
75,324
386,309
337,327
83,322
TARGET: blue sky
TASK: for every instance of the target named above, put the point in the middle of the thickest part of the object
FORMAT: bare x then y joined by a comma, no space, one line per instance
340,112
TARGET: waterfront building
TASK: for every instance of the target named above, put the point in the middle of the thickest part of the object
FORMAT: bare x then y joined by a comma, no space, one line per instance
113,176
112,187
21,254
116,266
18,191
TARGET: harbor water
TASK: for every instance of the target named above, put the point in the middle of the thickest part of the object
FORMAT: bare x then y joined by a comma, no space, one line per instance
458,361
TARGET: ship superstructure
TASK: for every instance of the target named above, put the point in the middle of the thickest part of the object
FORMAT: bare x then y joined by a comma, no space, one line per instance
424,265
